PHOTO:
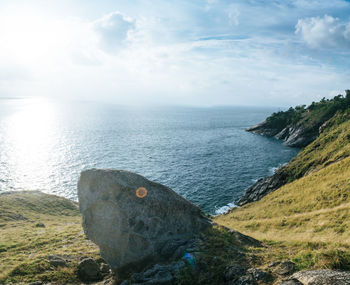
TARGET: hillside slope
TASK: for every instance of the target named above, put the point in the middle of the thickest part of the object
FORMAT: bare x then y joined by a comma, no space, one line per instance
308,220
33,226
331,145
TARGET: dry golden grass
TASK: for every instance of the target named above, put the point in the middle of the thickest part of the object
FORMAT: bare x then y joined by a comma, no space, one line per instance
313,210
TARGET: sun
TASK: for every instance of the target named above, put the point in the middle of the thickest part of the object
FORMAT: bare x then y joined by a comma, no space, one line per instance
32,37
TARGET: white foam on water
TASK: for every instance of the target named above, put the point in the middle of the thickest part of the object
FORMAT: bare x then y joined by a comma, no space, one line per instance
225,209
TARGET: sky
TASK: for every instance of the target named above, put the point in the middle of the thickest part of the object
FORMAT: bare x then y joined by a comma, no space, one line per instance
176,52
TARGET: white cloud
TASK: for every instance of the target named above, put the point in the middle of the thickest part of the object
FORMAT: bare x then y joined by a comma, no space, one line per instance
326,32
113,30
154,56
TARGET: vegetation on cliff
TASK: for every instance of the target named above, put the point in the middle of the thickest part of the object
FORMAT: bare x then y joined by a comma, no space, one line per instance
332,144
307,219
311,117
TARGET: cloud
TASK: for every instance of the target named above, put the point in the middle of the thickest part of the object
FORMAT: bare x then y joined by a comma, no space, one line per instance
113,30
326,32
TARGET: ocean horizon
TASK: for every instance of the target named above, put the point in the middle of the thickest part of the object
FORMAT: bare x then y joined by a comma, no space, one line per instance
202,153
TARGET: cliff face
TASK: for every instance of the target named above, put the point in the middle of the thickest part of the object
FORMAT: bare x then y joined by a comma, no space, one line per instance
293,135
263,187
323,129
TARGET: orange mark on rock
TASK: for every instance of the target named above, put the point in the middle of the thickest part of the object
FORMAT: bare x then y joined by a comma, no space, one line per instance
141,192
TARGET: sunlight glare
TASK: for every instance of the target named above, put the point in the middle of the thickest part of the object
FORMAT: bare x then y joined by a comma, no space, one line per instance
30,132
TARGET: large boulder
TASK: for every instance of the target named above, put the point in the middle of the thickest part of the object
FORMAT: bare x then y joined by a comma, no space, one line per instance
134,221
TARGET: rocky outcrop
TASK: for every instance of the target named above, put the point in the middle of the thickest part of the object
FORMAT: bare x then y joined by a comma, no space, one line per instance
292,135
319,277
134,221
89,270
263,187
264,129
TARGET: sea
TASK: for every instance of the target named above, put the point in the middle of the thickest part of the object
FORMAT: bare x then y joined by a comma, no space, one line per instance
204,154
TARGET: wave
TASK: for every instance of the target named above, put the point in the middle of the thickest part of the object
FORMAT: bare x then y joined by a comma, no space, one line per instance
225,209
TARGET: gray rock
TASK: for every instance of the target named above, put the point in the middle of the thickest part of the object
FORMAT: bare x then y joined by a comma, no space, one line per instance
36,283
56,261
104,268
233,272
263,187
158,274
88,270
322,277
285,268
290,282
134,221
171,246
258,274
245,280
299,136
283,134
263,129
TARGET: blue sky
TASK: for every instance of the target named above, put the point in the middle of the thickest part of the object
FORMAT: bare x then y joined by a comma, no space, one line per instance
202,53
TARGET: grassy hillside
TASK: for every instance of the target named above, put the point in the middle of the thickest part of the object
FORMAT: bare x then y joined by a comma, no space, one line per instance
332,145
24,247
307,220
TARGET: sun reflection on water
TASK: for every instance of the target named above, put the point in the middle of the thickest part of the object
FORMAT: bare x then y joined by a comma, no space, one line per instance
30,140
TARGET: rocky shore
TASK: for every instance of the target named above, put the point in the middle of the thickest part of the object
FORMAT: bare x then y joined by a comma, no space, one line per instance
313,130
292,135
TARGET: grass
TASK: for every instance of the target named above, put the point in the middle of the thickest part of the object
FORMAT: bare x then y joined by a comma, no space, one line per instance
24,247
307,221
332,145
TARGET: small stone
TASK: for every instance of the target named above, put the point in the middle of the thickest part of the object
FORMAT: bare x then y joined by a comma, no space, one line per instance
40,225
258,274
245,280
88,270
56,261
285,268
274,264
104,268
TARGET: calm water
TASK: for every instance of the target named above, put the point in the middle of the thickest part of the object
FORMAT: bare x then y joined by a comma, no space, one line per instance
204,154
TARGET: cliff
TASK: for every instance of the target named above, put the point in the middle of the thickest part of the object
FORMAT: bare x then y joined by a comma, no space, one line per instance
302,212
323,129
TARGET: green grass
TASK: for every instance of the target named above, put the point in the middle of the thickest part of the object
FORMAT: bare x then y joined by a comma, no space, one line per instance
307,221
24,247
332,145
